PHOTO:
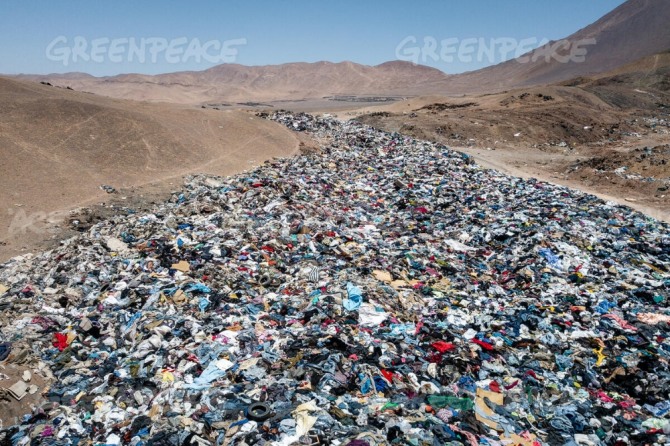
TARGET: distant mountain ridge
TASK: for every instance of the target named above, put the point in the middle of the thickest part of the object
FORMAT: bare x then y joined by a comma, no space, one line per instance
234,82
636,29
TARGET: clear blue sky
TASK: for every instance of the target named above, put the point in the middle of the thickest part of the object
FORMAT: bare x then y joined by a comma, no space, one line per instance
363,31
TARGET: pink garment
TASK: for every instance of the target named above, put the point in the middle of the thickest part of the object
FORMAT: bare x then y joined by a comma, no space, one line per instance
472,438
622,322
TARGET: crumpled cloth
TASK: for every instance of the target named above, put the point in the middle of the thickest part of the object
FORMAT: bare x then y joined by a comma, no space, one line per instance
653,318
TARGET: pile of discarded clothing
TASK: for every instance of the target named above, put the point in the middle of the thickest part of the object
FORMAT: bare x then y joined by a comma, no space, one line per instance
382,290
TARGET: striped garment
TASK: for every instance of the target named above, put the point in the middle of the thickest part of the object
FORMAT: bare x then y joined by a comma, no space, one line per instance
313,274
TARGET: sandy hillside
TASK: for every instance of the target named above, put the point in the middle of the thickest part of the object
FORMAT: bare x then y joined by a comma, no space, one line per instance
59,147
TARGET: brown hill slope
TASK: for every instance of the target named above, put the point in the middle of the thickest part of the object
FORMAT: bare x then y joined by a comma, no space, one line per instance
644,83
636,29
59,146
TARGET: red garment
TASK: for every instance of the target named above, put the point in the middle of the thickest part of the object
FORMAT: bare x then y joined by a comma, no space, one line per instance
60,341
388,375
513,385
484,345
442,346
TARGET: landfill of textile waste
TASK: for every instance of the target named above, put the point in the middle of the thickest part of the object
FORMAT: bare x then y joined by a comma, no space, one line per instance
383,290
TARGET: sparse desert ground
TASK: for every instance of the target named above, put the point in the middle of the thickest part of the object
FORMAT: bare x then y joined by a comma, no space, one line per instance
60,146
